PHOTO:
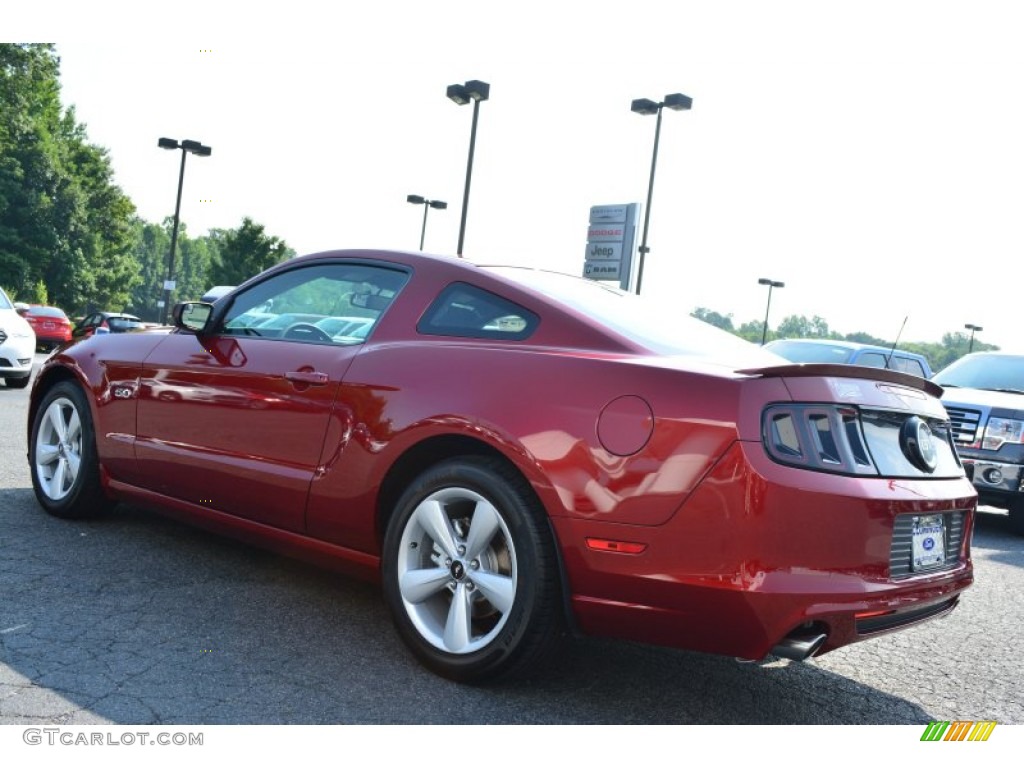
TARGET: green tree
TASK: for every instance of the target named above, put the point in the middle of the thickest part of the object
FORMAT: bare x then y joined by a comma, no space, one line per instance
865,338
29,115
39,294
244,252
714,318
62,219
799,327
151,247
196,258
752,330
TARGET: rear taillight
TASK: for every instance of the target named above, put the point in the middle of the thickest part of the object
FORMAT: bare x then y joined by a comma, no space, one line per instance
850,440
816,436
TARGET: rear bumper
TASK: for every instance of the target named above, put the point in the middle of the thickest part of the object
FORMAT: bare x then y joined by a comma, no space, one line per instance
759,552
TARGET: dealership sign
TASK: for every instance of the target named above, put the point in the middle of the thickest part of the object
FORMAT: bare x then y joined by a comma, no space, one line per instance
610,239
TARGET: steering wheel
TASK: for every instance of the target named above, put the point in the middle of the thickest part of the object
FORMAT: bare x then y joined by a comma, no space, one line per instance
305,332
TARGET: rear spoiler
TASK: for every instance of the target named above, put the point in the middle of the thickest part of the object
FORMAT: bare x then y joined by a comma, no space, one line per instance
847,372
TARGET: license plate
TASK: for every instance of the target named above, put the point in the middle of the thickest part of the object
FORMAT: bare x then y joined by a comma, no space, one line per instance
929,542
48,326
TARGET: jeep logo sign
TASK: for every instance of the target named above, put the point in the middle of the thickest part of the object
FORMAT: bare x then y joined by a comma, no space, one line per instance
602,251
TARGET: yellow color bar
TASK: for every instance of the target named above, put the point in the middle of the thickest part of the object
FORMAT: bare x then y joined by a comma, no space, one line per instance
982,730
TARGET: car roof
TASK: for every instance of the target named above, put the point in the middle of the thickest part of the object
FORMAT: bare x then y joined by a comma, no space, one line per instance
842,343
992,353
576,327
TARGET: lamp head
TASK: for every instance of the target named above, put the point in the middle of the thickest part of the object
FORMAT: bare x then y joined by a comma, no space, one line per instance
478,90
644,107
458,94
678,101
196,148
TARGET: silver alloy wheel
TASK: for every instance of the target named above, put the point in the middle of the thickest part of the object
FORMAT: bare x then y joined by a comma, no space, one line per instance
457,570
58,455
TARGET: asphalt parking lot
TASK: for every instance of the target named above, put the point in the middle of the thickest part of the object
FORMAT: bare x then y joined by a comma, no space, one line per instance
135,619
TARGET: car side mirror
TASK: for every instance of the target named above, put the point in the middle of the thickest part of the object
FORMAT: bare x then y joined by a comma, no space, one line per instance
192,316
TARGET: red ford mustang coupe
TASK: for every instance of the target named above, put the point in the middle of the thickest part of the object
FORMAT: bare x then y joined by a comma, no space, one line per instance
515,453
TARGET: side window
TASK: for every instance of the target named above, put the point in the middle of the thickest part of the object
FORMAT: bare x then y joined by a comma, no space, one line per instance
872,360
320,303
465,310
909,365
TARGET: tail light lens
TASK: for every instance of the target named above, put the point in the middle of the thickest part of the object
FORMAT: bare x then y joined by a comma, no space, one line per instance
815,436
853,441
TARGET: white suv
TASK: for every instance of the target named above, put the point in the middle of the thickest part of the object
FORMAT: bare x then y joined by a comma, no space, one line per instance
17,345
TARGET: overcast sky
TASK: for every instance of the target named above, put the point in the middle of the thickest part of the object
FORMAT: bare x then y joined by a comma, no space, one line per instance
868,154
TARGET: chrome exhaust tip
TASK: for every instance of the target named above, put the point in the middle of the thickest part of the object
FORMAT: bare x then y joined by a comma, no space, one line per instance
800,647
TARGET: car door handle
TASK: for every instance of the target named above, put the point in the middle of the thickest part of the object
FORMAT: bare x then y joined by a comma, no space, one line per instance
315,378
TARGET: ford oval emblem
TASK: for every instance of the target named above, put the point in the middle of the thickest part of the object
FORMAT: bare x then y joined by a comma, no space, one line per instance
918,444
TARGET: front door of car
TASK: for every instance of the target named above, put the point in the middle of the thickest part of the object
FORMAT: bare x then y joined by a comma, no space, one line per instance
235,419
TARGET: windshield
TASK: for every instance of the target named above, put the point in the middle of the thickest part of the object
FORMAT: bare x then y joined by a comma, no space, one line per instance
5,303
984,372
659,326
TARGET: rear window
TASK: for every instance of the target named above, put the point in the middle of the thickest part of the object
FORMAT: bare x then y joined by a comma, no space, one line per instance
465,310
873,360
654,323
47,312
800,352
123,323
907,365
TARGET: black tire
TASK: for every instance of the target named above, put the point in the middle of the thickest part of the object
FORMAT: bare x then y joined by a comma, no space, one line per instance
464,523
62,455
1017,517
18,383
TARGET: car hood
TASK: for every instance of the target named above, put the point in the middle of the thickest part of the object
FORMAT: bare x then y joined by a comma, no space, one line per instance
968,397
14,324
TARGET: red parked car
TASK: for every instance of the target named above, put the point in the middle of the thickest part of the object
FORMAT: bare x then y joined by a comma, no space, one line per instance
51,325
515,453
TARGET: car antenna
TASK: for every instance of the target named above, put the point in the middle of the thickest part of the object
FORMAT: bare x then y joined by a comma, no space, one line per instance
888,360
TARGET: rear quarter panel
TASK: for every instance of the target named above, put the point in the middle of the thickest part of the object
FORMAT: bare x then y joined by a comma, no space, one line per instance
541,409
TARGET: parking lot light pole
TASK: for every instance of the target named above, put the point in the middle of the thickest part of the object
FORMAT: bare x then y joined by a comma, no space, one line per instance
972,329
427,205
771,284
475,91
188,146
675,101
